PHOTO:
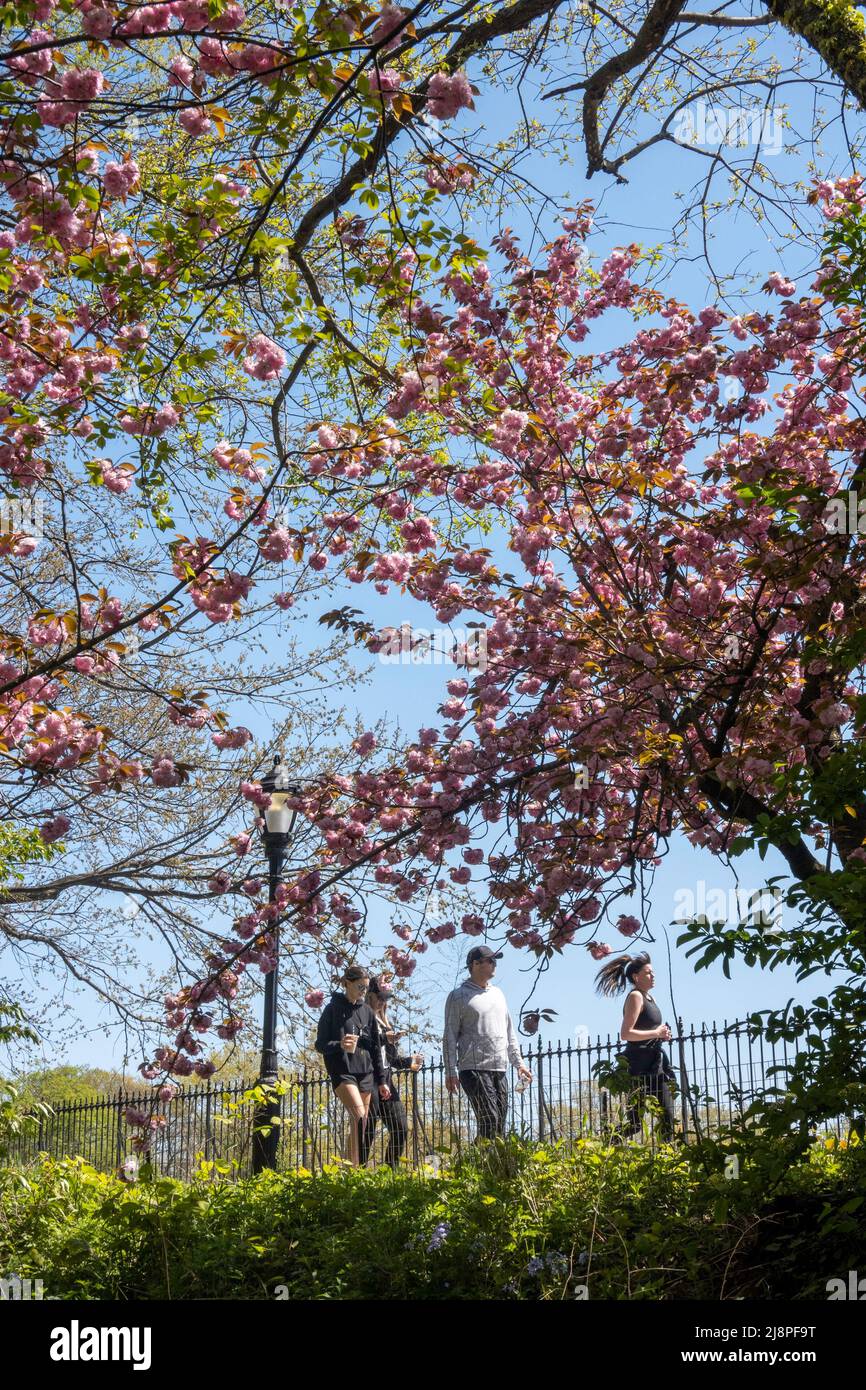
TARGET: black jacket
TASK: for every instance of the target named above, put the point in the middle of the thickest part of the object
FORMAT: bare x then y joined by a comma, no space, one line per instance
366,1060
391,1058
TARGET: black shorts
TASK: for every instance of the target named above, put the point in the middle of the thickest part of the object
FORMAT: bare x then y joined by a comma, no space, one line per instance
364,1083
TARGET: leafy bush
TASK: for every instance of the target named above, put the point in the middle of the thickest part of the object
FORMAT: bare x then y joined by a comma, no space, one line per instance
520,1221
18,1115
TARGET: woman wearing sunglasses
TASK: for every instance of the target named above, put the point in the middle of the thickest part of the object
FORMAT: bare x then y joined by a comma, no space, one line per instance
349,1041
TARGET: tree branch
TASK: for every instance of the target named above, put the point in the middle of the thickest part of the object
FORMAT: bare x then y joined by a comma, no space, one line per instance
723,21
662,15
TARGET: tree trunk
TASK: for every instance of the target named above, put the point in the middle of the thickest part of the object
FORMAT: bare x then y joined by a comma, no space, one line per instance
835,30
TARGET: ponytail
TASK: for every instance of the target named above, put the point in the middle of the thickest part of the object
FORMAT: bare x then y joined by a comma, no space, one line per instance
613,977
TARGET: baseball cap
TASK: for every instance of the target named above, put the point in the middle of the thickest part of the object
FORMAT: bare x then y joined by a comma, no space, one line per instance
482,953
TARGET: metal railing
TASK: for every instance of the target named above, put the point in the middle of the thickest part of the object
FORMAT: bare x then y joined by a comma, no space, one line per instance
575,1093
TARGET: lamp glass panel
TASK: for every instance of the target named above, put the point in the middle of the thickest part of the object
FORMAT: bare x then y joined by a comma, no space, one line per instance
278,816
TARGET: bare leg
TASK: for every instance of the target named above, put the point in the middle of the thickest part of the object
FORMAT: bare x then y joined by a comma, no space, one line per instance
361,1129
357,1105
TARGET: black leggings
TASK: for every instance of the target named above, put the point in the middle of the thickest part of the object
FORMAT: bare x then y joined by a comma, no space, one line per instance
393,1115
650,1084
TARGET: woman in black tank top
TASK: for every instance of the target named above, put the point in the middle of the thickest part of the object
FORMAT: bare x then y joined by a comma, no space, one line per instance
643,1033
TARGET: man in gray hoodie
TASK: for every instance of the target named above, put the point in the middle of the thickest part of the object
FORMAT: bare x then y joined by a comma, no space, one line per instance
479,1043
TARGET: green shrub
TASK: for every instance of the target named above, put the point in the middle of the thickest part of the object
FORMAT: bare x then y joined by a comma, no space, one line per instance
520,1221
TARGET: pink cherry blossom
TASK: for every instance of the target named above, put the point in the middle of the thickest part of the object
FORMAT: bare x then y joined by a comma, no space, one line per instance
195,120
164,773
119,180
277,545
781,286
472,925
54,829
385,80
628,926
252,791
98,22
599,950
265,360
117,479
181,71
57,113
385,31
446,95
82,84
232,738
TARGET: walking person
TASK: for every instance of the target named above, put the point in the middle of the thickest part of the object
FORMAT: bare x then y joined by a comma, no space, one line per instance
391,1112
348,1039
643,1033
479,1043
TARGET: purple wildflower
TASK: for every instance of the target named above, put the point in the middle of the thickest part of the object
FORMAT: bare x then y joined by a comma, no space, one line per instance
440,1235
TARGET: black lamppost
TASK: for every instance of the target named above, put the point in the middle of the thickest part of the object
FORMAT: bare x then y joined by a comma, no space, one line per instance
276,836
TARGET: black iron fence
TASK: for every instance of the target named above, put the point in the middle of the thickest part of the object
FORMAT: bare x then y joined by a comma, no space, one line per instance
576,1092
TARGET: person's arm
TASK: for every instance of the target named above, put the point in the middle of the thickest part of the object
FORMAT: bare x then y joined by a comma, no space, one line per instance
376,1042
413,1061
376,1050
325,1044
451,1033
511,1041
628,1032
513,1047
395,1061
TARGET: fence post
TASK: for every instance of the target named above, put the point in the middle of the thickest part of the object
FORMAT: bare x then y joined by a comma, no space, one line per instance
684,1108
208,1141
413,1082
305,1122
455,1135
120,1142
540,1094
